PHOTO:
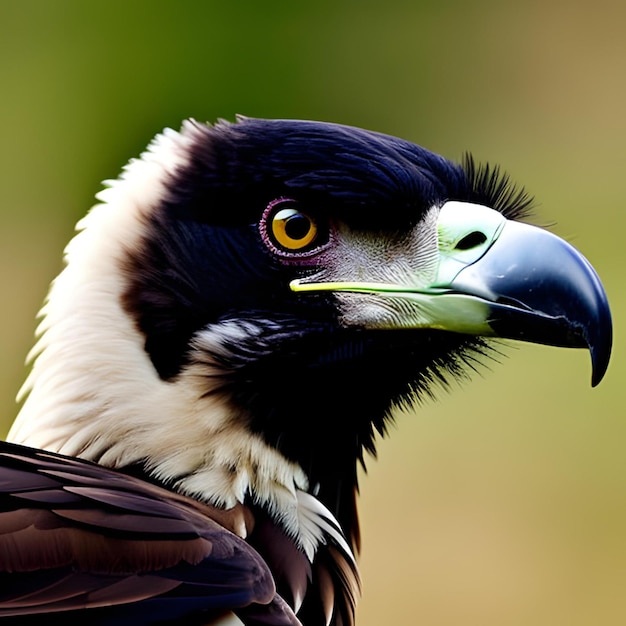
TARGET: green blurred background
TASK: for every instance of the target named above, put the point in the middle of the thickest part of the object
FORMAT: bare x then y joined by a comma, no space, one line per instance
504,502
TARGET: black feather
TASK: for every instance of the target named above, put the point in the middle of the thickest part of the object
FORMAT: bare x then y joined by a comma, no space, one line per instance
490,186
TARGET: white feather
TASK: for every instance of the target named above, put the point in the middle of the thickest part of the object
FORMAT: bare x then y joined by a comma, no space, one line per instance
93,391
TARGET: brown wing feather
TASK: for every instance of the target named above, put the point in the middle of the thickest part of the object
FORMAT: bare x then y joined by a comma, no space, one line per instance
324,592
76,535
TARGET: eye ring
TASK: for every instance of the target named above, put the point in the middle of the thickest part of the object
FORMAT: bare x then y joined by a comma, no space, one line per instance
288,230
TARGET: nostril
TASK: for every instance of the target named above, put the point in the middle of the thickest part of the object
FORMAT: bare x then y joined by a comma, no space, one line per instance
474,239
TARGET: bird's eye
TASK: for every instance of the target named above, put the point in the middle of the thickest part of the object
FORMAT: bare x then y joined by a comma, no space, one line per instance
292,229
288,229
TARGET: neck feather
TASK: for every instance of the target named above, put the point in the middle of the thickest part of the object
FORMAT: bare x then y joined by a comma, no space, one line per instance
93,391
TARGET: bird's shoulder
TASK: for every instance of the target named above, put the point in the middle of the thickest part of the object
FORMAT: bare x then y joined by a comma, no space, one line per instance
75,536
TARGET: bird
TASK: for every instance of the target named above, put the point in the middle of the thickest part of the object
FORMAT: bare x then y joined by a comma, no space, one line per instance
236,320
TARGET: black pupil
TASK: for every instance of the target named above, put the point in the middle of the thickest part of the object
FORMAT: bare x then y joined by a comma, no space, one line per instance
297,227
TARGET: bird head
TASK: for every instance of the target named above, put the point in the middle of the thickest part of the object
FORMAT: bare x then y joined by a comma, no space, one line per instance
249,301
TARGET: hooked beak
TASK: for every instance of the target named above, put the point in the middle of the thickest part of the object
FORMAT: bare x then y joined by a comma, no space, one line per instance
507,279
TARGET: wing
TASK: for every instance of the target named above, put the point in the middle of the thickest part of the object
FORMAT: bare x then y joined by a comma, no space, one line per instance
78,537
324,591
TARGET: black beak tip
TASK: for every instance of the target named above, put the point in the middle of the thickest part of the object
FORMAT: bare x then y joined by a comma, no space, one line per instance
598,374
598,325
600,347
